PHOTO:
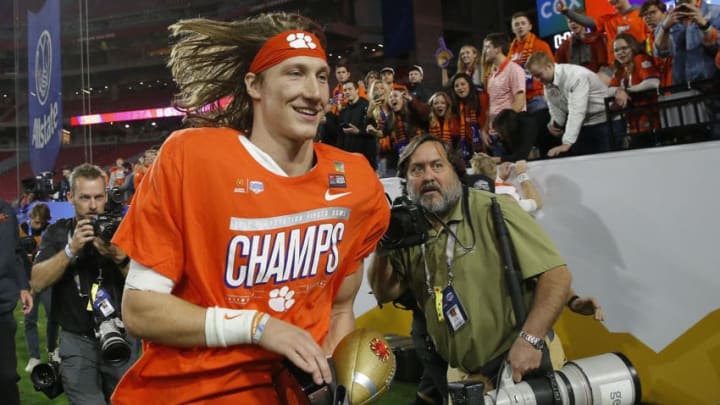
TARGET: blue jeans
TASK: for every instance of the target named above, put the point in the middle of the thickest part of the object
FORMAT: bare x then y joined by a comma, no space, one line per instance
536,103
32,339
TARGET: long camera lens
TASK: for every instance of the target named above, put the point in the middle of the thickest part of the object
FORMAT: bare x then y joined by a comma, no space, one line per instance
43,376
115,349
606,379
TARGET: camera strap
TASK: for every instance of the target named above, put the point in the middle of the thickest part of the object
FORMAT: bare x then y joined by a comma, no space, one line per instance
513,275
85,289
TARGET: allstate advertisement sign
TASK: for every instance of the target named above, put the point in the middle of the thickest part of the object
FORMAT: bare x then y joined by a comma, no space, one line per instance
44,86
549,20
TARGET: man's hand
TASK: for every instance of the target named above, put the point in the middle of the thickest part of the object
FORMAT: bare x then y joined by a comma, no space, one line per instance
690,12
298,346
622,98
504,170
559,149
27,301
351,129
109,250
561,7
485,135
523,358
588,306
520,167
673,17
83,234
554,130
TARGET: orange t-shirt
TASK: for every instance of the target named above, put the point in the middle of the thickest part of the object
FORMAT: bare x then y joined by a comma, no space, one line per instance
614,24
230,233
519,53
643,69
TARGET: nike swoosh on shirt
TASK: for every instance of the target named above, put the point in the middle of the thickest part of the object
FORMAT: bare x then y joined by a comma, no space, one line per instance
331,197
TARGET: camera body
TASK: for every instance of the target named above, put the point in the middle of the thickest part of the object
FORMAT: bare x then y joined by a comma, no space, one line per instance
113,342
28,244
105,225
408,225
110,329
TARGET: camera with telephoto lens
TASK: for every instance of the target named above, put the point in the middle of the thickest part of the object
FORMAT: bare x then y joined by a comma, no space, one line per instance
606,379
106,224
46,379
408,225
110,330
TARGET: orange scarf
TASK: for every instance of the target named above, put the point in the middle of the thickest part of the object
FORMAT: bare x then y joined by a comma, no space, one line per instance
527,48
443,127
467,119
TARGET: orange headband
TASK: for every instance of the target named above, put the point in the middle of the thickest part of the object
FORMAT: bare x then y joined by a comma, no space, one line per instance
286,45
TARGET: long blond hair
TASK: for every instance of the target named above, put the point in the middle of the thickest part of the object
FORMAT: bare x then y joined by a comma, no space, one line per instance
210,59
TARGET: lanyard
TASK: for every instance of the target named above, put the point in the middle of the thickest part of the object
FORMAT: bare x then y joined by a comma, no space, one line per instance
451,230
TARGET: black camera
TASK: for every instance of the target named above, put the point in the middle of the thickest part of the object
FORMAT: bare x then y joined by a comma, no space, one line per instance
46,379
42,185
28,244
110,329
408,225
105,225
297,387
466,392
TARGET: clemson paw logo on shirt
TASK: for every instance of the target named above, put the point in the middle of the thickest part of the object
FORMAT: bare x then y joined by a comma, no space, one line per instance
299,40
281,299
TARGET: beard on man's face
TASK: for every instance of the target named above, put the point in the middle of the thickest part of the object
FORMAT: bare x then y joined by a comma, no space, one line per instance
439,205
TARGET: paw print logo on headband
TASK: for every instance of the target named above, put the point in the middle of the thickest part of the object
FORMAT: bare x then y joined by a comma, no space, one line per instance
299,40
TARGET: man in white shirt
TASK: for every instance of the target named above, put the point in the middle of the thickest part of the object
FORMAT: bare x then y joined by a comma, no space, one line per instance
575,97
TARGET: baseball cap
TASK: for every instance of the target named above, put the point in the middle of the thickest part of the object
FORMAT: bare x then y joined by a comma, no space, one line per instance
418,68
387,69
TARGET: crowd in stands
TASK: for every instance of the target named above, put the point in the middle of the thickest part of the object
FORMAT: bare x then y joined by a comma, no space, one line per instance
513,99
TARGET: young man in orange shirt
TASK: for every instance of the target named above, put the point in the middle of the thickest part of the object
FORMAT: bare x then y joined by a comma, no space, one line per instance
523,45
246,238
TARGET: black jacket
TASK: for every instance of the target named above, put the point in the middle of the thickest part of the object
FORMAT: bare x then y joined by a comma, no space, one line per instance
12,272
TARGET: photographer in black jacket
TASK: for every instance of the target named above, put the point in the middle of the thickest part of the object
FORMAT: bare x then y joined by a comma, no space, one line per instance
87,274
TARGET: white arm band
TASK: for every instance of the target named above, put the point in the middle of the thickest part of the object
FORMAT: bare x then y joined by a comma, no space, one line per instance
227,327
146,279
528,205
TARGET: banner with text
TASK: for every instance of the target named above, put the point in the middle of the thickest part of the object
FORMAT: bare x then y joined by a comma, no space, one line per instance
44,86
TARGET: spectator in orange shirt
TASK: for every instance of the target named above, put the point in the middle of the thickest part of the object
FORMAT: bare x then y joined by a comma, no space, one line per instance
525,44
117,174
635,74
625,19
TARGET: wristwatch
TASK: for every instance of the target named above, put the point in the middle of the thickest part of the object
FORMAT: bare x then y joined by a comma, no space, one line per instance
535,341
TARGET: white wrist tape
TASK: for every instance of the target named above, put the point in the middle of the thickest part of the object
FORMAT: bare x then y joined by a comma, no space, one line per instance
522,177
226,327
